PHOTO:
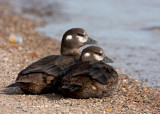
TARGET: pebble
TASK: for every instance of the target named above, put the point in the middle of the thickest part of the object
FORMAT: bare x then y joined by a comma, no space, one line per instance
6,59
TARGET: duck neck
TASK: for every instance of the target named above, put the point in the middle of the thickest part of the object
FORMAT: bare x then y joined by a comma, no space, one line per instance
70,52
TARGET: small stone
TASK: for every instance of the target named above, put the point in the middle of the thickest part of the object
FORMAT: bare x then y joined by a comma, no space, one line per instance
124,81
6,59
108,110
94,88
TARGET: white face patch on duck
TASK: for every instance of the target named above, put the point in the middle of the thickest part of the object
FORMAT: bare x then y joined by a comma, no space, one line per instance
98,58
81,39
87,54
69,37
101,51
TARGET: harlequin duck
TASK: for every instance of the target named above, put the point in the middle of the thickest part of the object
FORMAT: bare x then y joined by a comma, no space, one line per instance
89,78
37,77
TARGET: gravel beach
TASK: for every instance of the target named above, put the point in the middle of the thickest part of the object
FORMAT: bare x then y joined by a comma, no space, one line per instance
131,96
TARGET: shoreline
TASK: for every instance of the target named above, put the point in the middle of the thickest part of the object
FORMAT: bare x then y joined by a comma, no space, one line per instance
131,96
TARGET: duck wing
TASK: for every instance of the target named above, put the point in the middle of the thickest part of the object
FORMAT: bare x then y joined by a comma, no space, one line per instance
39,64
53,67
93,74
70,88
50,69
98,71
43,61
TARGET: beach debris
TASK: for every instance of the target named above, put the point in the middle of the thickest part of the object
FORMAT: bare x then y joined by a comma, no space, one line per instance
108,110
15,38
24,56
33,55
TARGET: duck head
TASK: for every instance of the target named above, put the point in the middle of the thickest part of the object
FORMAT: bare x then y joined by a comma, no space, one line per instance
94,53
73,39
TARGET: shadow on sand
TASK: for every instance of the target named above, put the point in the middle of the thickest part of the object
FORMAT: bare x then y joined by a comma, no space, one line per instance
17,91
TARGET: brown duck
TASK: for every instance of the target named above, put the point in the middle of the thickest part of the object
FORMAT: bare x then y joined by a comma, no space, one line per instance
89,78
38,77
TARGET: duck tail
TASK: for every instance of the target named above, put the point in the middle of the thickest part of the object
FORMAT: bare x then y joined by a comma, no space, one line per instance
17,84
11,85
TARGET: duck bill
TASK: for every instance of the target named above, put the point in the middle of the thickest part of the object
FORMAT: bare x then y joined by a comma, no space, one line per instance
90,41
107,60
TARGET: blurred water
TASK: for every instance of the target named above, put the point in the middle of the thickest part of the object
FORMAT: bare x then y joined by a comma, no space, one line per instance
118,25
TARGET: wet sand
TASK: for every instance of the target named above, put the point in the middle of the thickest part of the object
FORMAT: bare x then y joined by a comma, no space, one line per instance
131,96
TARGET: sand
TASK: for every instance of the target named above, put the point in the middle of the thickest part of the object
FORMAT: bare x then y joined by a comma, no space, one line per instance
130,97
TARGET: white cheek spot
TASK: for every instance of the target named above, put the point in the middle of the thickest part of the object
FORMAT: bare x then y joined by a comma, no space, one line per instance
81,39
69,37
87,54
97,57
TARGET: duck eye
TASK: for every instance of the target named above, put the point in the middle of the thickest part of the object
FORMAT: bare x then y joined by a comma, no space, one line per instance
79,34
100,54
